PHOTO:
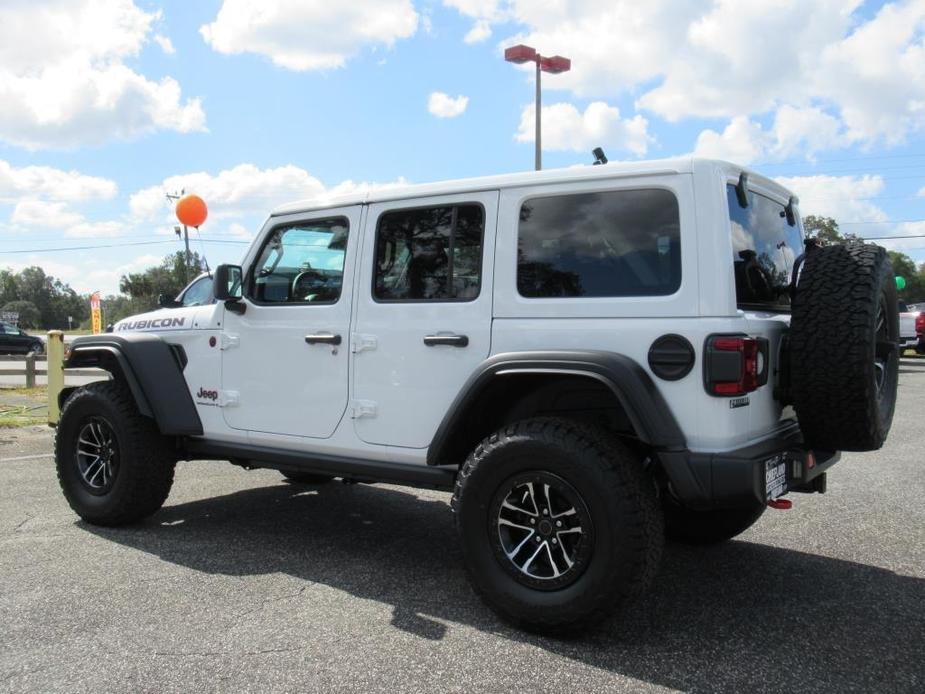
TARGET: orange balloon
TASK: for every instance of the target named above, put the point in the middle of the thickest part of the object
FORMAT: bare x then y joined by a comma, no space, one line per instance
192,210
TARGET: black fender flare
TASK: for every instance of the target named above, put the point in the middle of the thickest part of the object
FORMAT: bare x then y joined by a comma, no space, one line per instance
153,371
633,387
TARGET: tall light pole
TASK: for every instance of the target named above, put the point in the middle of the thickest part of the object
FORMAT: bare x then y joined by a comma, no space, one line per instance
553,64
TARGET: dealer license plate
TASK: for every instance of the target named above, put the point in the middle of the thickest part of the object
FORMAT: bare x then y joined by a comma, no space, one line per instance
775,476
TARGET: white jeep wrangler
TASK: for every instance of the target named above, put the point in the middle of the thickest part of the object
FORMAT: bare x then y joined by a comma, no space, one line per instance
589,358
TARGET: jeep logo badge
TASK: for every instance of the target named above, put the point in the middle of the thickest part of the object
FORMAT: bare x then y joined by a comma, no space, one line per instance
207,394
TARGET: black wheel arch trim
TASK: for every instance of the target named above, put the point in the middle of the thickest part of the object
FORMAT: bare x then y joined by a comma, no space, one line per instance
633,387
152,372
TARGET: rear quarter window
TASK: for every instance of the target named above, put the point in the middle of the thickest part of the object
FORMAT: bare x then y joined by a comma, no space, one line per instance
764,250
602,244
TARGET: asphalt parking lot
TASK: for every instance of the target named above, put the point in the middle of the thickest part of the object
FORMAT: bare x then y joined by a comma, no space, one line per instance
246,583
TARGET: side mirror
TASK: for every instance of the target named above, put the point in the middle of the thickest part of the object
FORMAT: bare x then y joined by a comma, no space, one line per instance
165,301
227,282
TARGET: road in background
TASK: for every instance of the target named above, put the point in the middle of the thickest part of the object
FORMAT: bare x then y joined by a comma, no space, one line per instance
246,583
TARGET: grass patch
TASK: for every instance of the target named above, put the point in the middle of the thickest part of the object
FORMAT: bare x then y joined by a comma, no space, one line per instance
13,417
37,392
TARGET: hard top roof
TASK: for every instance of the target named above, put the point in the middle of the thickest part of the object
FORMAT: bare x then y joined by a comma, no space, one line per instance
613,169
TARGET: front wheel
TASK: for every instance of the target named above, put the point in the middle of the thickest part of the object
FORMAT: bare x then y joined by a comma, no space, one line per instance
558,524
114,466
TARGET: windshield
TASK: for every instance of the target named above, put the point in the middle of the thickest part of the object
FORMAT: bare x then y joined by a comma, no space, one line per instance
764,249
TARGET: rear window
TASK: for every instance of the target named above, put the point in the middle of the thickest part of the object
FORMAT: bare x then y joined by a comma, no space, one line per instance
764,249
615,243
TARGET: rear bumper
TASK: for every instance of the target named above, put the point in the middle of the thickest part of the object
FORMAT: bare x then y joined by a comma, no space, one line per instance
739,478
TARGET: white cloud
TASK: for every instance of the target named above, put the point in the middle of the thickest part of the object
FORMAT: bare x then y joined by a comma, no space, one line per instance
52,184
566,128
42,213
300,35
794,132
98,229
63,81
480,31
244,190
843,198
826,75
484,12
445,106
743,141
165,43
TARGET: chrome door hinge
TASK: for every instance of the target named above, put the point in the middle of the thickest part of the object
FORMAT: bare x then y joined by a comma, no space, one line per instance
361,343
363,408
229,340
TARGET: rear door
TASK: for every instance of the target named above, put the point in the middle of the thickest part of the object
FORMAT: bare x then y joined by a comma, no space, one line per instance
424,312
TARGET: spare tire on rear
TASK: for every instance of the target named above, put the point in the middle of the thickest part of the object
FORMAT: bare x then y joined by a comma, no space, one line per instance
844,355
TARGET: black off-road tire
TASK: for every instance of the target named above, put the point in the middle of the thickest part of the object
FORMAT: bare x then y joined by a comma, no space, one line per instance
145,458
620,497
707,527
845,323
307,478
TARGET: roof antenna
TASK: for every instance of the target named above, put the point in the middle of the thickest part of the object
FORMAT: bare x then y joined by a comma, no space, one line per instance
599,156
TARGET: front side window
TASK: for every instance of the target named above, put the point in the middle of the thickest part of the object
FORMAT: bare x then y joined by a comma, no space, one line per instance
429,254
764,249
302,263
614,243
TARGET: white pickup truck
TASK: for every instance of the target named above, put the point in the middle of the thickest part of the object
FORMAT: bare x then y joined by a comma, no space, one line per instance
908,338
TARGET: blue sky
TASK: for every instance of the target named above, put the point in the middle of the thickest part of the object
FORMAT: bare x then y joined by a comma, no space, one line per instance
108,104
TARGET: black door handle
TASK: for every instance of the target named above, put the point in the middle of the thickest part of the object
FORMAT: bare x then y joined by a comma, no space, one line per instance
323,339
451,340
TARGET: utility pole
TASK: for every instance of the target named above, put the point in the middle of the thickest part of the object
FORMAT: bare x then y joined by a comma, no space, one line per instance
187,259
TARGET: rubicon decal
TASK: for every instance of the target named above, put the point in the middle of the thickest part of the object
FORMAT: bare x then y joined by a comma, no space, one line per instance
151,324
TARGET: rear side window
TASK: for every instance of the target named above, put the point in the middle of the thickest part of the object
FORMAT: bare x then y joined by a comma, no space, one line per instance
429,254
615,243
764,249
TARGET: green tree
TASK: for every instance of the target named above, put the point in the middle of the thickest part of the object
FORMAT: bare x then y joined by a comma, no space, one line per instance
168,278
826,230
53,299
29,316
904,266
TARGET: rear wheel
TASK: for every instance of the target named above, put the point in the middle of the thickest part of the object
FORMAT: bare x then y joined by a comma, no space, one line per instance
558,524
708,527
114,466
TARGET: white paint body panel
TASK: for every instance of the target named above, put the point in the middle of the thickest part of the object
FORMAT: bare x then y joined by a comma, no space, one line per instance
412,384
284,385
296,396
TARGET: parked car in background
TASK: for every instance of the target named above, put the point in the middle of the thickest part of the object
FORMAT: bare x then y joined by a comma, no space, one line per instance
908,336
16,341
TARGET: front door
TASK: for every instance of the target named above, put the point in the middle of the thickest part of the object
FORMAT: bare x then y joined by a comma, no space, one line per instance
284,360
423,318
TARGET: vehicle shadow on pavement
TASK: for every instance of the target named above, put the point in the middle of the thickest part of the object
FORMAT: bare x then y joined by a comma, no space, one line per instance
730,618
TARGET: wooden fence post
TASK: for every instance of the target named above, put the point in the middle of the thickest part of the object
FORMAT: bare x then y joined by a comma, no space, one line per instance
30,370
55,349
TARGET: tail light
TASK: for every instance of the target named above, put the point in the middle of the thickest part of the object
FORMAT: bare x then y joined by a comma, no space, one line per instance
735,364
920,323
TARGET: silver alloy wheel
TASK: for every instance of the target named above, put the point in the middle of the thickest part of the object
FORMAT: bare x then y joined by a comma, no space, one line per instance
543,530
97,455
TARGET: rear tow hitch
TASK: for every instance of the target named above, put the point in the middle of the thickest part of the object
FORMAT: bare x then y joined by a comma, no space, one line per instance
780,504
